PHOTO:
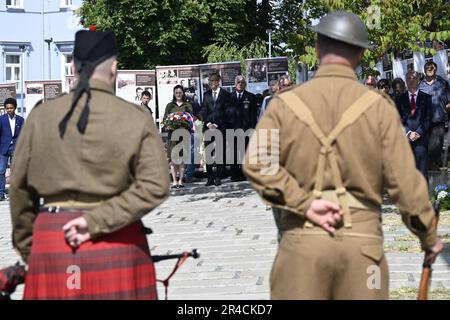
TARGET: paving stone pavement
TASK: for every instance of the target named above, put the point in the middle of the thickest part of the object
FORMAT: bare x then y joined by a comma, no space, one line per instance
237,239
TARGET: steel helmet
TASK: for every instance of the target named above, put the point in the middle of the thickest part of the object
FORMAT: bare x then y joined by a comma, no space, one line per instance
344,26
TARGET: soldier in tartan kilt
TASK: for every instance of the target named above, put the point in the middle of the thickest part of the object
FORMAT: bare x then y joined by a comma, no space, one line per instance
88,167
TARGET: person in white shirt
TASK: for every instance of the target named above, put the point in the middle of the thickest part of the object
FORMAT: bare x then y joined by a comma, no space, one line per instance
10,125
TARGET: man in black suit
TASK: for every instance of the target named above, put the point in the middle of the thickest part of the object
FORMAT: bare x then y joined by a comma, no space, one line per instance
241,113
215,100
416,112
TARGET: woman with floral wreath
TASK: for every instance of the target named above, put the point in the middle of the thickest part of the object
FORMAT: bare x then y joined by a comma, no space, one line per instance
178,104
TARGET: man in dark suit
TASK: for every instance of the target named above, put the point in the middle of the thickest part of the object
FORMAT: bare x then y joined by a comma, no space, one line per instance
10,125
215,100
241,113
416,112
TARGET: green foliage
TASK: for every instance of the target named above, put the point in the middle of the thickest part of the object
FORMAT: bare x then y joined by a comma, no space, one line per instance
150,32
402,25
172,31
192,31
233,52
445,203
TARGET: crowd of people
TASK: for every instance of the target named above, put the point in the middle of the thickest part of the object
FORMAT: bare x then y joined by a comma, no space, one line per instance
220,111
423,103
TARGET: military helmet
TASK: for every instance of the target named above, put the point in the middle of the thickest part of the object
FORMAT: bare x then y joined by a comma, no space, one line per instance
344,26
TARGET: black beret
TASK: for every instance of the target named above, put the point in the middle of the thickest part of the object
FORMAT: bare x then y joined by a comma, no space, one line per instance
91,49
94,46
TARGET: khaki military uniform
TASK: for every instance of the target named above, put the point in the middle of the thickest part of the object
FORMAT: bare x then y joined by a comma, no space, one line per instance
147,110
371,153
118,162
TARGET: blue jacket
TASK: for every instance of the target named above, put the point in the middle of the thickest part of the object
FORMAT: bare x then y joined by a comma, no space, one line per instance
5,132
440,97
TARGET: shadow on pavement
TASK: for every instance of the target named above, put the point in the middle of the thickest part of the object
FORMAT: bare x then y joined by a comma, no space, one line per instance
228,189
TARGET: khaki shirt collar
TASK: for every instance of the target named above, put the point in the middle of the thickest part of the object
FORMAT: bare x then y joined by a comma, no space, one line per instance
336,70
97,85
100,85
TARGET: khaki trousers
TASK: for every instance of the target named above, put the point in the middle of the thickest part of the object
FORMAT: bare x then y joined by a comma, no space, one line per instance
311,264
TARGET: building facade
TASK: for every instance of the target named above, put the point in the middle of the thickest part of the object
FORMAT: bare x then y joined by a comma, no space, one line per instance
36,41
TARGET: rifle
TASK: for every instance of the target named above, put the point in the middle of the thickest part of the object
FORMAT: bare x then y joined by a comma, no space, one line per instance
426,267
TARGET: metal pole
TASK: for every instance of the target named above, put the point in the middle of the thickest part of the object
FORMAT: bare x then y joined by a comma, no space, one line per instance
43,36
49,41
22,82
269,33
305,72
49,63
270,44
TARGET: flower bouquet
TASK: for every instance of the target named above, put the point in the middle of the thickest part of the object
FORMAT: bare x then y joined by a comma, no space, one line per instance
442,195
179,120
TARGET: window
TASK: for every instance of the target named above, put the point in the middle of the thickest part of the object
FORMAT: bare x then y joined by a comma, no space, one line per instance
66,71
12,69
68,64
14,4
66,3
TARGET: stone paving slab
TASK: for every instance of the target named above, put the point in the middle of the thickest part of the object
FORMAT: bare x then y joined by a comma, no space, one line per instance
236,237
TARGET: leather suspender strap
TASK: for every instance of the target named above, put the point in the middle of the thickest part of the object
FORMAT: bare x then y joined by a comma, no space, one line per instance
357,109
327,151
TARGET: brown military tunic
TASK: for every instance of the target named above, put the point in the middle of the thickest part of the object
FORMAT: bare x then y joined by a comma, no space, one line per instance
147,110
372,154
122,164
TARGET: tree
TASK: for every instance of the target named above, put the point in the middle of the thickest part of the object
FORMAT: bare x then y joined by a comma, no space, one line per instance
394,26
167,32
232,52
150,32
264,18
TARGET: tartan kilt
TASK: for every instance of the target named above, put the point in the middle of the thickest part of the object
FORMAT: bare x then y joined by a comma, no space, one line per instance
115,266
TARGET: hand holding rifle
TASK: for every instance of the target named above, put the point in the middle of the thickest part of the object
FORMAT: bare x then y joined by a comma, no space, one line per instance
430,257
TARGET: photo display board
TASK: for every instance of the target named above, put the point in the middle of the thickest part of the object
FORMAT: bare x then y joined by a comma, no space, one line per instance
38,90
227,71
131,83
168,77
261,71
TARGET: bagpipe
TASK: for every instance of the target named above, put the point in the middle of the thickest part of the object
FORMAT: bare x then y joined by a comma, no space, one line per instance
15,275
181,258
10,278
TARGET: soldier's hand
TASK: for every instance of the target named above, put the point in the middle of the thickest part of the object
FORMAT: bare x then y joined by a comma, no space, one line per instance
412,136
76,232
325,214
431,254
